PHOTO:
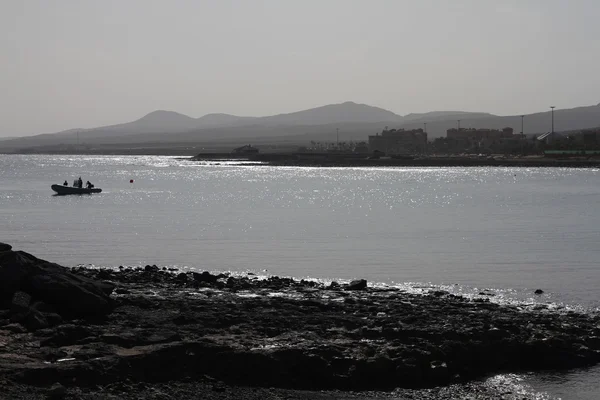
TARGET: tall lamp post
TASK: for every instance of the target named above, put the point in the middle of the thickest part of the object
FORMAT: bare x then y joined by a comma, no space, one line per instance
458,120
522,135
552,107
522,116
337,137
425,131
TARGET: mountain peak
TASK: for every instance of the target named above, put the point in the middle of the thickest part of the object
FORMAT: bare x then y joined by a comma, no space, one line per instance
348,111
163,114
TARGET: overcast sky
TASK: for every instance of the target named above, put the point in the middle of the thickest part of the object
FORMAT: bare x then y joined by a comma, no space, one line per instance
82,63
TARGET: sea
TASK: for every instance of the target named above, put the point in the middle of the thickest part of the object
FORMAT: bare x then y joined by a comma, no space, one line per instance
508,231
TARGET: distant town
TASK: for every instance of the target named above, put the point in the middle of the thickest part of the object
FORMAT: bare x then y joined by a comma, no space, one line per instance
465,141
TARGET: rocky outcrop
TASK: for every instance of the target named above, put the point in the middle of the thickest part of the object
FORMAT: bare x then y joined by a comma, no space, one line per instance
359,284
173,327
25,278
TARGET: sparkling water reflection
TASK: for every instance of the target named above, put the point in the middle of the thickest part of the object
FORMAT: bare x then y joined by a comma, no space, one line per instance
505,230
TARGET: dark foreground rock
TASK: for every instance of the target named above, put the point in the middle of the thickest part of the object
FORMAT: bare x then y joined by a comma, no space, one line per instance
190,331
67,293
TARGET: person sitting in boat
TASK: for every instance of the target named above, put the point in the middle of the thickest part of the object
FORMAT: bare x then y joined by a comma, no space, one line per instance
79,183
66,183
89,185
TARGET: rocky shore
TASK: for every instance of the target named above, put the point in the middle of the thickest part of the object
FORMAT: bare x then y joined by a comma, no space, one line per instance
158,333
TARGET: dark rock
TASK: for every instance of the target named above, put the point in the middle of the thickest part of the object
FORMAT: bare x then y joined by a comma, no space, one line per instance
35,320
184,319
66,334
104,273
360,284
131,339
151,268
57,391
93,350
52,354
53,319
538,291
5,247
302,338
43,307
333,285
14,328
18,317
205,277
182,277
20,302
122,291
70,293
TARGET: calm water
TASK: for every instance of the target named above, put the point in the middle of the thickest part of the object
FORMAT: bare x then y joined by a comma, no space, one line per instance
510,230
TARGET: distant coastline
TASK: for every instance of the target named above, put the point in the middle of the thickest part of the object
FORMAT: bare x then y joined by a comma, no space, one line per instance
338,160
292,159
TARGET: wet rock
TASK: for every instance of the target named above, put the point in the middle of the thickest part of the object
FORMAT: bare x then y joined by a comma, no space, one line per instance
122,291
5,247
538,291
360,284
52,354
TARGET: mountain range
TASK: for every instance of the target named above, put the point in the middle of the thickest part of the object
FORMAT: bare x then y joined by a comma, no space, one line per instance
353,121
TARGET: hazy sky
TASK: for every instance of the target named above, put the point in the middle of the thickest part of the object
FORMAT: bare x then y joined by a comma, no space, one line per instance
86,63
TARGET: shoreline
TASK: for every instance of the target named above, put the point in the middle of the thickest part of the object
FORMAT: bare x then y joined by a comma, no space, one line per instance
333,160
119,332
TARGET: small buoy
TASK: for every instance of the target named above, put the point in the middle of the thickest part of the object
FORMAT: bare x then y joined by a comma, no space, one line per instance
131,181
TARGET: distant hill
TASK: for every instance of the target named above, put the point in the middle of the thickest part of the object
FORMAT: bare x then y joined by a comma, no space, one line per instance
216,120
156,121
564,120
333,113
168,125
354,121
